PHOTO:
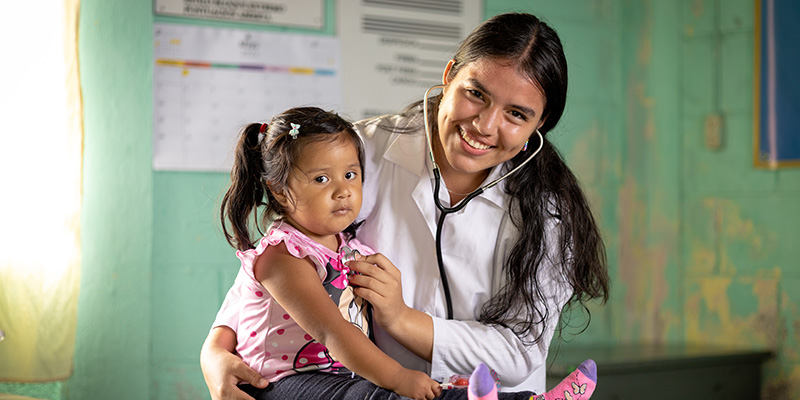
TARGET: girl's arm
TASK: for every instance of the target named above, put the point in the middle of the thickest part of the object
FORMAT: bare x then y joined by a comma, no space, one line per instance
295,285
222,369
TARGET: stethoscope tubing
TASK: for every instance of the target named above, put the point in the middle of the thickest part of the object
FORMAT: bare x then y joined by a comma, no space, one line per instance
444,211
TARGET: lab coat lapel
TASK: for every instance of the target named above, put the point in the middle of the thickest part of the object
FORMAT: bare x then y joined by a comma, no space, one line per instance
410,151
496,194
423,197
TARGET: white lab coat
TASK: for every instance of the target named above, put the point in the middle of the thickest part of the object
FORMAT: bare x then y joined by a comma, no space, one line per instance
401,218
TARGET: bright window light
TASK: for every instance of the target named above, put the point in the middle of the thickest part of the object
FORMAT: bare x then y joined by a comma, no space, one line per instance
40,199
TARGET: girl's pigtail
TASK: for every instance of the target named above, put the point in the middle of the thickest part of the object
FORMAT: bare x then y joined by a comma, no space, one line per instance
246,192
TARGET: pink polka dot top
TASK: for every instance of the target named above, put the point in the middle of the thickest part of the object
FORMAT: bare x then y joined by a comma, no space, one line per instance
268,339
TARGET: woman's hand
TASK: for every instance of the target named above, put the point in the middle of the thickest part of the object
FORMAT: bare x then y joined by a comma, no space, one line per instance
378,282
222,369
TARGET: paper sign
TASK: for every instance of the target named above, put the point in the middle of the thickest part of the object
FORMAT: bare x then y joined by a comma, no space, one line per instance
394,50
303,13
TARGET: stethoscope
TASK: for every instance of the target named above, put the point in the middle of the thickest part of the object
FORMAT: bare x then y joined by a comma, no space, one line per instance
444,211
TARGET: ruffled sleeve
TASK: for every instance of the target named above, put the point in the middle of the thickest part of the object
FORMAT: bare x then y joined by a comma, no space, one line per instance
297,244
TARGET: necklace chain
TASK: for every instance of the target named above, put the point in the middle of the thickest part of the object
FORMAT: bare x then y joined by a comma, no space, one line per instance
460,194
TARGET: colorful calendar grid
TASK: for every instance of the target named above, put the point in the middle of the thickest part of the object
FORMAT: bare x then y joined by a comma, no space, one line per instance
208,83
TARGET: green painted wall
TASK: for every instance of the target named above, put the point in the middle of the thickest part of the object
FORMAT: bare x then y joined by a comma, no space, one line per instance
114,336
702,246
740,227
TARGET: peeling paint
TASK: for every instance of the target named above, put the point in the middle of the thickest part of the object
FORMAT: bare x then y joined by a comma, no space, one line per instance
644,264
735,235
698,8
645,51
583,158
713,316
784,386
789,345
701,260
715,298
648,224
766,320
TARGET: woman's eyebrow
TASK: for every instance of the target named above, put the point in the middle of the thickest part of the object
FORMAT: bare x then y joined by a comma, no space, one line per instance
522,109
525,110
479,85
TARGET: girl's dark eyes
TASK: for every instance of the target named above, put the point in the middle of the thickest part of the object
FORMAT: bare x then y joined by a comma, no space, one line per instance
324,179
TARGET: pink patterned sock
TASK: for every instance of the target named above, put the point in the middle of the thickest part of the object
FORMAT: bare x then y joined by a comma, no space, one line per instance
481,384
579,385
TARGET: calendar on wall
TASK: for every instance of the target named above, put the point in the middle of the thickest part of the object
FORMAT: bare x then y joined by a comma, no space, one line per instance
208,83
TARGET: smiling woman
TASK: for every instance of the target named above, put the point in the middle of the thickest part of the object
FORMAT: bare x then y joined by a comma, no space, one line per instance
40,167
487,114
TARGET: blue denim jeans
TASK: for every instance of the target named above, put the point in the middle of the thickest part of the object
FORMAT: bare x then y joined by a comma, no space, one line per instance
321,385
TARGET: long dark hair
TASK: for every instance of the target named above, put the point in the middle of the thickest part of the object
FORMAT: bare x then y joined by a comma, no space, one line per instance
543,189
264,160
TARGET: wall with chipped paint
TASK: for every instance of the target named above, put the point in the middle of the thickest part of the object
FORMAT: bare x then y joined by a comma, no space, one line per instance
740,226
702,247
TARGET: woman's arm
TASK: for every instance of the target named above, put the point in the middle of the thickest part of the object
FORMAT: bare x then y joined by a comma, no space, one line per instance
379,283
295,285
460,345
222,369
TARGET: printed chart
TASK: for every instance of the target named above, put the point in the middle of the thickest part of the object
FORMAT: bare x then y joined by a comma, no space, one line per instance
208,83
397,49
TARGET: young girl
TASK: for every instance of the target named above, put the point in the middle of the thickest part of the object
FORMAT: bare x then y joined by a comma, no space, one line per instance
291,307
304,168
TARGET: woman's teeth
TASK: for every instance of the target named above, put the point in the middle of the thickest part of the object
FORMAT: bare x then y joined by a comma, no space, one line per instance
471,142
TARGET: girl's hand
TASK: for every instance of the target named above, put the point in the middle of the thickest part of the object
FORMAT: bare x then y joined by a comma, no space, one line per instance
417,385
378,282
222,369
